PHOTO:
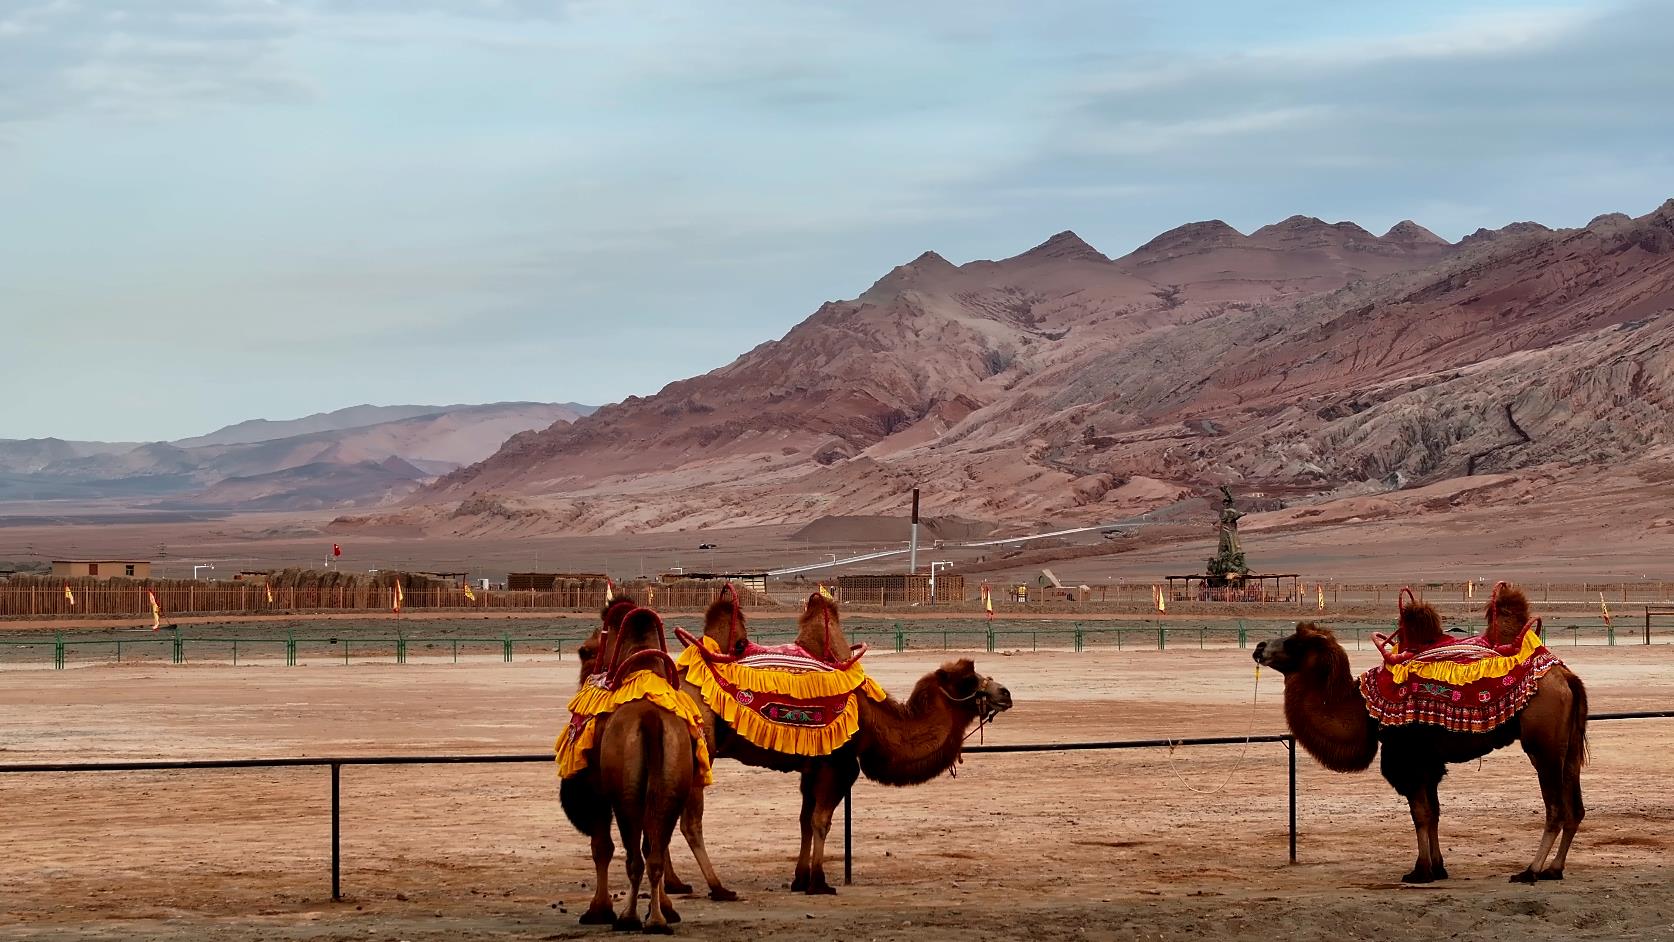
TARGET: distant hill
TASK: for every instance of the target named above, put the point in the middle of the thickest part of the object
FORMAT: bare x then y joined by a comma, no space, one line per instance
360,456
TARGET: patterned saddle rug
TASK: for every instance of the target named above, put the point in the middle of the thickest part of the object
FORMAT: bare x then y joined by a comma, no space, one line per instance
596,698
782,698
1465,686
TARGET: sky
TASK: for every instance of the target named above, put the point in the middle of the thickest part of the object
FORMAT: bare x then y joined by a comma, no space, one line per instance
215,210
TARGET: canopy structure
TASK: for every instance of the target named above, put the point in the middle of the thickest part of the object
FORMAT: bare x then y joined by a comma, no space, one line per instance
1254,587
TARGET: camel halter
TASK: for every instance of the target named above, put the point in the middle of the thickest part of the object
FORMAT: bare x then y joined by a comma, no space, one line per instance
985,715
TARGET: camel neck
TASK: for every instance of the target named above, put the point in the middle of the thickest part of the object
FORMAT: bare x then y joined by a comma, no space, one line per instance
910,743
1325,710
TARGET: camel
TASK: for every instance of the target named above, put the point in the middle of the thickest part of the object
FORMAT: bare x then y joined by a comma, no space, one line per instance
641,772
1326,710
898,743
691,821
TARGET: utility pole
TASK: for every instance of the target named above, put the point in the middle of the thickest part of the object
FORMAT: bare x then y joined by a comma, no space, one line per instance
912,546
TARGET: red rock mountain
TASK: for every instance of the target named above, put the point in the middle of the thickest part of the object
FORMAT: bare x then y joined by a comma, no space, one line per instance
1061,384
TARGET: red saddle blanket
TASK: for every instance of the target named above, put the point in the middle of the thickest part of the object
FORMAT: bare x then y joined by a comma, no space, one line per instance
1465,686
781,698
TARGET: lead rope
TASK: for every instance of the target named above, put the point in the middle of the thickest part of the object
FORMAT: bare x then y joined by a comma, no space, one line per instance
1249,734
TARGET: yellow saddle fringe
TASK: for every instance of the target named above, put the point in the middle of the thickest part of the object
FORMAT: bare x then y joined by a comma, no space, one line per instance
1449,672
575,742
778,737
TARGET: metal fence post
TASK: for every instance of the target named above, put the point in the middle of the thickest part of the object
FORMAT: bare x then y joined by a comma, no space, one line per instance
58,650
179,647
1290,744
990,639
336,854
507,650
900,639
1162,638
848,836
1243,634
1081,640
290,647
400,648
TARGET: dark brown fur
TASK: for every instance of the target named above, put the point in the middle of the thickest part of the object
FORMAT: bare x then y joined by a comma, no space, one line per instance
1506,614
1421,627
1325,710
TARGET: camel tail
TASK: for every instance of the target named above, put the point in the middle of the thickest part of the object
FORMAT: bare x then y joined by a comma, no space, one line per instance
1578,751
579,796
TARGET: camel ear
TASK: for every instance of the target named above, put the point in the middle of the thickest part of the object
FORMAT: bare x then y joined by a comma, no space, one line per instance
959,678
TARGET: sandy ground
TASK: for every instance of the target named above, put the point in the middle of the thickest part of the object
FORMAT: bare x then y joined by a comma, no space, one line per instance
1093,845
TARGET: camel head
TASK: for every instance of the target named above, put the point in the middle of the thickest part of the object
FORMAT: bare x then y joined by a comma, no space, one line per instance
1310,650
960,683
724,623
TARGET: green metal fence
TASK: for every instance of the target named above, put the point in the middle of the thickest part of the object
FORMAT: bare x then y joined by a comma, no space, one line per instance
371,645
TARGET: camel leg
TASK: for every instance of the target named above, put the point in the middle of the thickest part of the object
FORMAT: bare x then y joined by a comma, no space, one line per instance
1437,868
1548,759
1423,825
831,782
799,882
1574,808
691,825
633,841
658,834
600,913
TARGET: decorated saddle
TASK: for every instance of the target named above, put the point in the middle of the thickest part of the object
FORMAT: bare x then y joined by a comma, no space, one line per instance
600,696
1466,685
780,698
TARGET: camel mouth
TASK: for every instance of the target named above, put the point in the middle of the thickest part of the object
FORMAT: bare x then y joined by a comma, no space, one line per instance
1265,654
994,700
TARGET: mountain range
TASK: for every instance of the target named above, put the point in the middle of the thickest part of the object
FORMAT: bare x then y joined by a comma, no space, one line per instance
358,456
1305,359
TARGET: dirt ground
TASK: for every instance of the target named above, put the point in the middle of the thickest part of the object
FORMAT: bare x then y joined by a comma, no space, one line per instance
1137,844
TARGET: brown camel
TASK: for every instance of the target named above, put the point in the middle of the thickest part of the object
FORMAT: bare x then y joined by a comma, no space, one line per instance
1327,712
691,821
1506,614
897,744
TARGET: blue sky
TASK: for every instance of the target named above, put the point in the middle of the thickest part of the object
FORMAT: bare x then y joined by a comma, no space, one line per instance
223,209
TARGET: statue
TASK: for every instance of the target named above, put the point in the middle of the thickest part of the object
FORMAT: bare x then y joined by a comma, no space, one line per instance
1228,564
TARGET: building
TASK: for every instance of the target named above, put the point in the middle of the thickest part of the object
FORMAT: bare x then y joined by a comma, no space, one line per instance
101,568
752,581
551,581
901,588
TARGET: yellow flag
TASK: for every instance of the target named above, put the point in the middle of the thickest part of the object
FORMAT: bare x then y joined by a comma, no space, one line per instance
469,595
156,611
269,587
1605,608
68,594
1470,590
609,595
650,597
398,595
1319,591
1162,601
826,592
988,599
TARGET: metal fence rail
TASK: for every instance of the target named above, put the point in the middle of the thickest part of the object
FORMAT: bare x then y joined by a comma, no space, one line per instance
967,636
336,764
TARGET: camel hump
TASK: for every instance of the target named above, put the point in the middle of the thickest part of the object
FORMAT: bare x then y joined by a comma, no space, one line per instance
1421,626
820,630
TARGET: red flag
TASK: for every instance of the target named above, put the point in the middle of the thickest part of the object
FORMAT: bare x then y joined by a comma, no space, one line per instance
336,550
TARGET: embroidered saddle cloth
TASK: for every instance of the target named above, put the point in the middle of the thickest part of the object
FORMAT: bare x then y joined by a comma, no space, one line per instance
781,698
1465,686
595,699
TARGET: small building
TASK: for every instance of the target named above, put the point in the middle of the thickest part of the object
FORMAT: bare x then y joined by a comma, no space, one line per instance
753,581
1253,587
101,568
549,581
901,588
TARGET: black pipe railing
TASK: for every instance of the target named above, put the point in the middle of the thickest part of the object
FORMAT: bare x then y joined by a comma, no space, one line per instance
336,764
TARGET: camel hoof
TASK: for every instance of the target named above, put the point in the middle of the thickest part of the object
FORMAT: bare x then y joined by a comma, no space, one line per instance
669,914
658,928
1527,876
1419,876
821,889
676,887
1439,873
721,894
799,883
628,924
1550,874
598,916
